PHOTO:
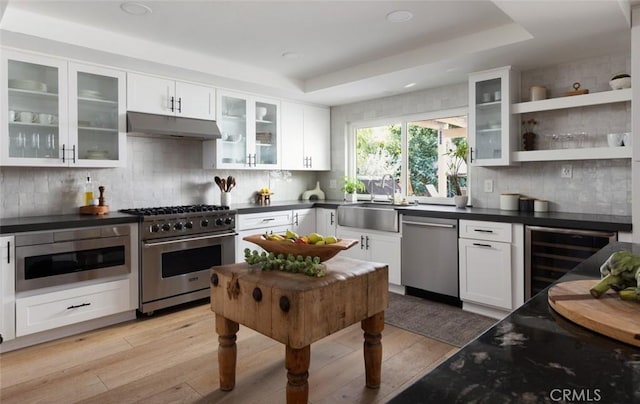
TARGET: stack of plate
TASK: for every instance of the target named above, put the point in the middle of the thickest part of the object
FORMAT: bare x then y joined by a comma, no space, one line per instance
30,85
90,94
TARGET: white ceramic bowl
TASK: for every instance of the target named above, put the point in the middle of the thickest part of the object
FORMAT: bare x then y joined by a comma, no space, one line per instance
619,84
614,139
261,112
626,138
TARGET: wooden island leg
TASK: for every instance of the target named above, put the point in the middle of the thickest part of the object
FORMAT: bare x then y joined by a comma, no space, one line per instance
227,352
297,363
373,327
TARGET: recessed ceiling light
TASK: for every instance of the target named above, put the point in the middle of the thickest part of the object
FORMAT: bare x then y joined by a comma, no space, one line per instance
409,85
292,55
133,8
399,16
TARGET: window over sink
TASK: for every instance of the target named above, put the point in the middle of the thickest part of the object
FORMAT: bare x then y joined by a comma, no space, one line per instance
410,156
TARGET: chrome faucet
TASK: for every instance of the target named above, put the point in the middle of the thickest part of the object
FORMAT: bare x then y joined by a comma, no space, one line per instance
393,185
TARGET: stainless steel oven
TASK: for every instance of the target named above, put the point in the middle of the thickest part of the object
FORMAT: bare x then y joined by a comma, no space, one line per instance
178,246
61,257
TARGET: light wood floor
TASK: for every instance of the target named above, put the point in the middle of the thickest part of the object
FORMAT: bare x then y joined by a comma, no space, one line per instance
172,358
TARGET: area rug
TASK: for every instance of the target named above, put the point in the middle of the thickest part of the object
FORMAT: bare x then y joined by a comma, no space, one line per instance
435,320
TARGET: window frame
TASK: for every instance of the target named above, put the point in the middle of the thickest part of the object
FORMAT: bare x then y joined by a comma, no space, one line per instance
403,121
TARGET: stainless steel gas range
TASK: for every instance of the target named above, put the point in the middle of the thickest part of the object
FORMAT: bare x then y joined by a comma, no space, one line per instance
178,245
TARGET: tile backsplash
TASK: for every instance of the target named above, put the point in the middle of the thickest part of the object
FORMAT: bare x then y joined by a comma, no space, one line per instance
159,172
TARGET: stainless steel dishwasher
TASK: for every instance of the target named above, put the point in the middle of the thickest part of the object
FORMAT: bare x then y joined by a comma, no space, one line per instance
430,256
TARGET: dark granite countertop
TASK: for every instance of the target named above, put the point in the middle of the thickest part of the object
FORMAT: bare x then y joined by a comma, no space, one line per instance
553,219
535,356
49,222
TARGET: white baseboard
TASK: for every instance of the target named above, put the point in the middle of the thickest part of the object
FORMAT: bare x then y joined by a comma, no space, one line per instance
484,310
399,289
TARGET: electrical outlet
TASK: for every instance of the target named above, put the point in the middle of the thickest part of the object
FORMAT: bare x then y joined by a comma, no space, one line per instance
566,171
488,185
333,184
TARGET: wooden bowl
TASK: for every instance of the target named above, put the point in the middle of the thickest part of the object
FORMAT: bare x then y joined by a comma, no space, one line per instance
325,252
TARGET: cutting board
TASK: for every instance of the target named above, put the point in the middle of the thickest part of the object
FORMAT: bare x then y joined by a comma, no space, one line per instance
609,315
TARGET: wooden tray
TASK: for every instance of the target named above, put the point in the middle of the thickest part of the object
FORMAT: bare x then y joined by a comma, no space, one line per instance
325,252
94,210
609,315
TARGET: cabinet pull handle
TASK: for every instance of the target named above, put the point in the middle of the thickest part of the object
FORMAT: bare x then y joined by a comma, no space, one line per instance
310,162
268,219
172,104
483,231
331,220
362,242
78,305
74,154
63,153
180,104
8,252
367,238
297,223
482,245
470,154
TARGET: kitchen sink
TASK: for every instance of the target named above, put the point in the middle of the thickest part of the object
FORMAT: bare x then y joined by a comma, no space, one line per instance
372,216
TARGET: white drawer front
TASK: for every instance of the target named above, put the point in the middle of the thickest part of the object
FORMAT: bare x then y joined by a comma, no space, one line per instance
262,220
480,230
51,310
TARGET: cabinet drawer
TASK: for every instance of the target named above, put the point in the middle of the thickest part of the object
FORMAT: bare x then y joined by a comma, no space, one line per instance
480,230
262,220
51,310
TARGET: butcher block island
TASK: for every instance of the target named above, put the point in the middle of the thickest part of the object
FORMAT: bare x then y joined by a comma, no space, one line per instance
297,310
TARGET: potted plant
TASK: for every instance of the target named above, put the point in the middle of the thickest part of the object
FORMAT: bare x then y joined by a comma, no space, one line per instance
458,156
351,186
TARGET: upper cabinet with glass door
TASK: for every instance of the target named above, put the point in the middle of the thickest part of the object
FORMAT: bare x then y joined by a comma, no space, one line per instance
34,117
250,133
97,115
61,114
492,132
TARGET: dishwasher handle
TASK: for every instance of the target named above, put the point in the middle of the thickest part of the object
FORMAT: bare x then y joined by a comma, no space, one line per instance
448,226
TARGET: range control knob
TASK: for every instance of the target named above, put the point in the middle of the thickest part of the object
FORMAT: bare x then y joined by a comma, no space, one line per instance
228,220
166,227
178,226
155,228
189,225
219,221
204,223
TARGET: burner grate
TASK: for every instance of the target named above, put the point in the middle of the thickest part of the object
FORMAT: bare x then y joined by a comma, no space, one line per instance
172,210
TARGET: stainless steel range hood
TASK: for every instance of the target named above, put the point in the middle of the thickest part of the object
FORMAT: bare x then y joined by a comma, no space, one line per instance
141,124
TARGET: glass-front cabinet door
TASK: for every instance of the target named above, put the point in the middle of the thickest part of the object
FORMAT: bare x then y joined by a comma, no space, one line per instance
34,119
97,115
249,128
266,139
233,150
490,127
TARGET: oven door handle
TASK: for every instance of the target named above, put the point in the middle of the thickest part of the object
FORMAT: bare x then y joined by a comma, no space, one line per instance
147,244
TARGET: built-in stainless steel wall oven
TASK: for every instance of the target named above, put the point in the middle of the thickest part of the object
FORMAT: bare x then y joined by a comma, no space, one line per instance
178,246
61,257
552,252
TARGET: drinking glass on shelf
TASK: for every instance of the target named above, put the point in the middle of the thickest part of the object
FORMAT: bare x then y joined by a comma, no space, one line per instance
34,145
18,143
50,145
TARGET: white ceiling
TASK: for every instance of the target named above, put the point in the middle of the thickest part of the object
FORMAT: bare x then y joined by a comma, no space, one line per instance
350,52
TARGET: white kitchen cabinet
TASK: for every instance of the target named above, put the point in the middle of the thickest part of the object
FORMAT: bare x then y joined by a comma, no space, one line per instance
64,307
306,134
250,128
61,114
491,131
260,223
491,267
326,221
7,289
304,221
374,246
158,95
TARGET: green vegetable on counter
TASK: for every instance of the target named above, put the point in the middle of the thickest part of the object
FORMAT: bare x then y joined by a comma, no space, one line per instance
269,261
621,272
